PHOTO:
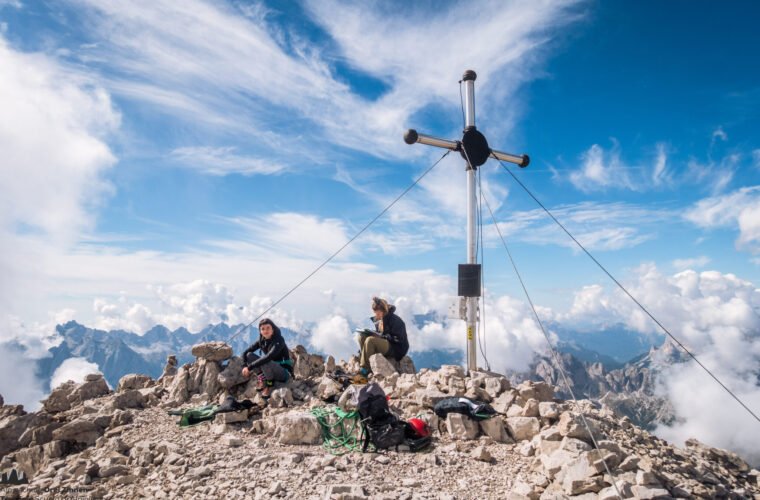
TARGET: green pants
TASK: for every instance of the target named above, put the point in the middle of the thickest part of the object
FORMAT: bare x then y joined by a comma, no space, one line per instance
370,345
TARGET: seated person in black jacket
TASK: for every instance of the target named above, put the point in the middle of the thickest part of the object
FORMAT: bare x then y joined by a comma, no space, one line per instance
390,339
274,365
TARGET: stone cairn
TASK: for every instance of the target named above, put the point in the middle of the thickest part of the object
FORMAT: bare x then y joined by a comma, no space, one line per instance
89,441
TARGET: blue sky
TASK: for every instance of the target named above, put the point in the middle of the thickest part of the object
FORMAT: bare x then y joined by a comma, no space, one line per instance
251,132
185,163
238,131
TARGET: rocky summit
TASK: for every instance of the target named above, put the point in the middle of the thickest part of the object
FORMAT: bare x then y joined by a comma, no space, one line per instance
90,442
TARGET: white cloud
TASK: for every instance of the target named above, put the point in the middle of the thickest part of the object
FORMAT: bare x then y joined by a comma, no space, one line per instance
715,175
756,157
209,48
73,369
716,316
696,262
739,209
53,122
598,226
598,172
660,173
333,335
718,134
224,161
18,381
296,234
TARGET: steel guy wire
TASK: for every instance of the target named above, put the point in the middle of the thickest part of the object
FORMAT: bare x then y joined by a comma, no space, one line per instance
646,311
553,352
331,257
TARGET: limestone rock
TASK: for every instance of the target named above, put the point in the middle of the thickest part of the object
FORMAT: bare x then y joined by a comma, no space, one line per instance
522,427
212,351
405,366
481,453
548,410
298,427
79,431
381,366
531,408
327,388
128,399
231,417
282,397
170,369
232,374
307,365
58,400
572,425
494,428
133,381
461,427
94,386
178,389
329,364
504,401
427,398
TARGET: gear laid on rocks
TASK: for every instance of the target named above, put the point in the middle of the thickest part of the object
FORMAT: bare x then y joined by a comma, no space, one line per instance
120,444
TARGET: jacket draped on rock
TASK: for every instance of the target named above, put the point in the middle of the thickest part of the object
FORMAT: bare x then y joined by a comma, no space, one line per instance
273,349
394,331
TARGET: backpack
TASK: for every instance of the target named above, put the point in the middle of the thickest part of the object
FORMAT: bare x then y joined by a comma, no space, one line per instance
476,410
381,427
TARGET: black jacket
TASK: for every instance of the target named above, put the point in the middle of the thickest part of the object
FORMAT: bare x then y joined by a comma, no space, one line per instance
394,331
273,349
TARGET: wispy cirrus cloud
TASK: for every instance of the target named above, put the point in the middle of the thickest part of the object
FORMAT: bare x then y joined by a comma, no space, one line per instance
223,161
693,263
599,226
248,71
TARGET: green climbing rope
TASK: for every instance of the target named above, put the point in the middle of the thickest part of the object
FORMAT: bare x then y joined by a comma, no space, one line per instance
338,438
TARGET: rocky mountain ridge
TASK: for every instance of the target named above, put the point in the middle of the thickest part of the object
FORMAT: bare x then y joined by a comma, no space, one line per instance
93,442
630,390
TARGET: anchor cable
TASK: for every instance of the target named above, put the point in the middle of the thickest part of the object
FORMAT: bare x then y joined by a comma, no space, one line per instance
334,254
553,352
646,311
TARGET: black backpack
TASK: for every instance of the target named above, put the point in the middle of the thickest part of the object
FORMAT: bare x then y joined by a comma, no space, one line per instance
381,427
476,410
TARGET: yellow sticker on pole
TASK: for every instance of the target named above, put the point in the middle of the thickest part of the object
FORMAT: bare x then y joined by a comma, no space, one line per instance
469,333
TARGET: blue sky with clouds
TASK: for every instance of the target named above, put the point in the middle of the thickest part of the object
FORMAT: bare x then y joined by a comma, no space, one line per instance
243,131
185,163
234,145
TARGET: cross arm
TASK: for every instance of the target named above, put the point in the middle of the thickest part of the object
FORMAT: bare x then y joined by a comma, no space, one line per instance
411,136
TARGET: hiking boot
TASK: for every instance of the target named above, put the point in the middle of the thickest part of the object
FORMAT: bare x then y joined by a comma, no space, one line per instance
260,385
267,390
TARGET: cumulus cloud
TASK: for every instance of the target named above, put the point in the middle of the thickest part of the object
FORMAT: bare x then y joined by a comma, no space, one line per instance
18,381
73,369
333,335
716,316
739,209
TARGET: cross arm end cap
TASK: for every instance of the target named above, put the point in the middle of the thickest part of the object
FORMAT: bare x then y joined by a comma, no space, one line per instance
410,136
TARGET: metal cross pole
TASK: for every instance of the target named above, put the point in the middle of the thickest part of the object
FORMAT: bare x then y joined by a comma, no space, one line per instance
474,149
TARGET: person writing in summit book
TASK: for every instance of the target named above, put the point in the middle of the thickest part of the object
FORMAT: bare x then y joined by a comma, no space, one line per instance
390,338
